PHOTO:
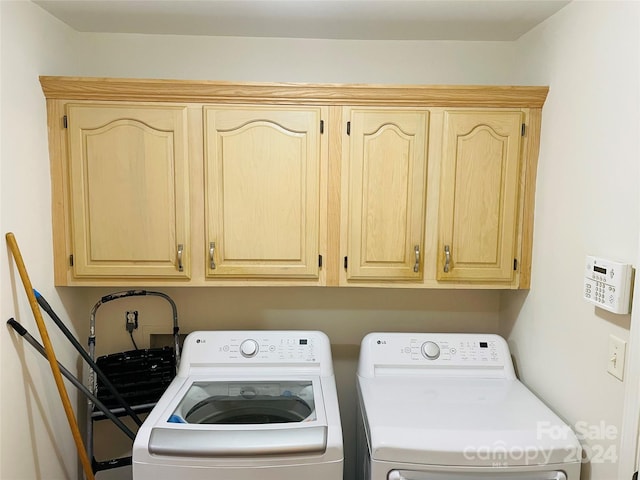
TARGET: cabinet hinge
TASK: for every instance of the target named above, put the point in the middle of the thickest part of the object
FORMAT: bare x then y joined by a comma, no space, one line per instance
320,261
71,260
348,128
65,122
345,263
515,264
321,126
523,129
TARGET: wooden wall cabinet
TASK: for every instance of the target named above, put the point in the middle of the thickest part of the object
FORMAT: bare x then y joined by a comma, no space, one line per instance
385,167
479,190
168,183
129,191
263,191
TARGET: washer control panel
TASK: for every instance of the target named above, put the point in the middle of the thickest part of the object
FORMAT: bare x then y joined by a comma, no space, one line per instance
281,348
399,352
207,348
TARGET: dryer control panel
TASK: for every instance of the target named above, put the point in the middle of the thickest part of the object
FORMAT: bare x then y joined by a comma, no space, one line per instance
411,352
456,351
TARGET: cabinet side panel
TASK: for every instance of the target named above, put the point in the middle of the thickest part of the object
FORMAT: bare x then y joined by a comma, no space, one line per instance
531,152
59,192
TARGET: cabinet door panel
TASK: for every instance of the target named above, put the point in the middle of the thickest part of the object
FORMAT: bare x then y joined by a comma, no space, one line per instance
263,191
479,195
129,190
387,169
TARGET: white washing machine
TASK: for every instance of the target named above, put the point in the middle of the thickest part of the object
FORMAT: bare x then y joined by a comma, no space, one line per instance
449,407
246,405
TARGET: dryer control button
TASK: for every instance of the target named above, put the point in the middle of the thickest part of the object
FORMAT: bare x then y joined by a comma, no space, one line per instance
249,348
430,350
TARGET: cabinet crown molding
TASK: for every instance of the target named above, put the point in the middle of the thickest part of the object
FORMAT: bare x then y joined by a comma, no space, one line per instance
154,90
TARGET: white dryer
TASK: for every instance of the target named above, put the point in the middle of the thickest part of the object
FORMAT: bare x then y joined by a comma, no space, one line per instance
449,407
246,405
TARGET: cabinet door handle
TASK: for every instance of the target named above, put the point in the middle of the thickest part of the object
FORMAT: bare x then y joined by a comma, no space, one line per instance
416,266
212,250
180,250
447,258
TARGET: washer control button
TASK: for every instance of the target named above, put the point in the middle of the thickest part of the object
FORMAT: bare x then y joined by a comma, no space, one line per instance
249,348
430,350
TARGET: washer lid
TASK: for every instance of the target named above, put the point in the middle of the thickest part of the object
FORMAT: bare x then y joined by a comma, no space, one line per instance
253,402
234,443
214,417
453,421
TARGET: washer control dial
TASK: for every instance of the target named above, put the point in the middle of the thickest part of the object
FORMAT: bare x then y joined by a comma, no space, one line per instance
249,348
430,350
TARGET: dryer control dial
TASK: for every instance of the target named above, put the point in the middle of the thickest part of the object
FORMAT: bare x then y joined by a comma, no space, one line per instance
430,350
249,348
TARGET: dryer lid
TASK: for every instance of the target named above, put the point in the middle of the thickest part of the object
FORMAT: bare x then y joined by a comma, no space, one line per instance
462,421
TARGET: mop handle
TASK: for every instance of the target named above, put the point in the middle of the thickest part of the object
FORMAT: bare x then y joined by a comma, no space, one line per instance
67,374
51,356
83,353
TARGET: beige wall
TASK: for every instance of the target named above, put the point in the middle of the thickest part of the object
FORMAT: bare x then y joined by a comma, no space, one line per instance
346,315
33,43
34,438
587,53
586,203
297,60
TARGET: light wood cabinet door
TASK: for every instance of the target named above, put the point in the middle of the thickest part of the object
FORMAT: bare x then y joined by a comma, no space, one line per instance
263,198
386,164
479,195
129,190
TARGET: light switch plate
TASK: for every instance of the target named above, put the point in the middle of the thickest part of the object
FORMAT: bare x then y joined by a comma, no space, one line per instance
617,350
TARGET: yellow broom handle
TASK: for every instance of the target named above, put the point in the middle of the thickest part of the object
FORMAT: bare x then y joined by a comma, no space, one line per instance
53,362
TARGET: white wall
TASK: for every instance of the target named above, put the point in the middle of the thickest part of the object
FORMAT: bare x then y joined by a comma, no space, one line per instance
35,440
586,203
